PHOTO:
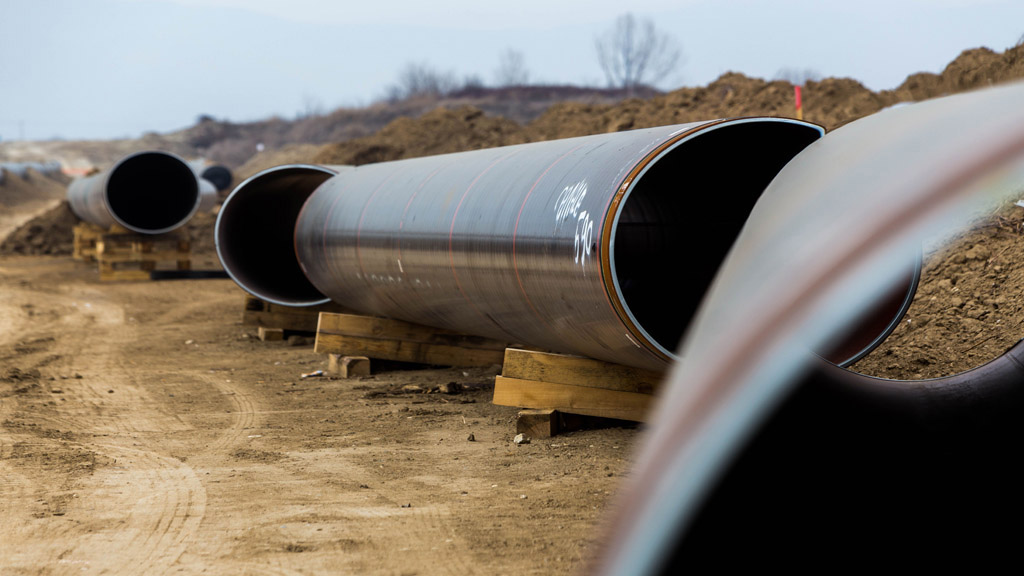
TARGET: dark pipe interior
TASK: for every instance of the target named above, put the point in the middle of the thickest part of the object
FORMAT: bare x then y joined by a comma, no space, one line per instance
218,175
256,234
152,192
682,216
845,473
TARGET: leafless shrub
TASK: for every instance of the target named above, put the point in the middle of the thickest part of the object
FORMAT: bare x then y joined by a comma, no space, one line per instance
634,53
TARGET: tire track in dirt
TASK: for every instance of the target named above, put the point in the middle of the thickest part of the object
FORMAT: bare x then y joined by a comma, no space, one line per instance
161,502
134,518
149,507
244,415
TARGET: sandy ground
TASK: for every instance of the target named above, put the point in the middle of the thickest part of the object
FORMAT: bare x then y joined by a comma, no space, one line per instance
145,430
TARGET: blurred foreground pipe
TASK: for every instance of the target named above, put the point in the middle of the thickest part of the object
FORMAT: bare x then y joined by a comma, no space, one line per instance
600,246
255,233
149,192
757,448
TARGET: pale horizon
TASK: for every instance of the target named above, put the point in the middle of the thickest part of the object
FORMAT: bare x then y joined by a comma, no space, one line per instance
108,69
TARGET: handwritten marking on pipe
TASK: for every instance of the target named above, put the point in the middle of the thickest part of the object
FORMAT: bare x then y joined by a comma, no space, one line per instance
568,206
569,201
582,240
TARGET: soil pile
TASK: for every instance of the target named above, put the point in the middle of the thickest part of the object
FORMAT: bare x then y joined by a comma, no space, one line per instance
440,131
34,187
49,233
290,154
23,198
967,309
975,68
831,103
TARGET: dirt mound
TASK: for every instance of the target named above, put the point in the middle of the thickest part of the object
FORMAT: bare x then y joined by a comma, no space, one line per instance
23,198
290,154
15,190
967,309
975,68
831,103
50,233
437,132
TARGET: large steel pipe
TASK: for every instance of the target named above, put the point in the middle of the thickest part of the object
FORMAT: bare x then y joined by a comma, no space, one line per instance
255,233
149,192
601,246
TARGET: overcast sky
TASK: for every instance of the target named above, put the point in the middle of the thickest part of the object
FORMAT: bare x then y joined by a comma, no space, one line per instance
117,68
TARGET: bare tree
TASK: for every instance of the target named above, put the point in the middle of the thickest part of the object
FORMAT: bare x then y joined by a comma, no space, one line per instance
422,79
634,53
311,107
511,69
796,76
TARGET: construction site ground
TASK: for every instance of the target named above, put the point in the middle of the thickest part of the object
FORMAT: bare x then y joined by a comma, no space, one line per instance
145,430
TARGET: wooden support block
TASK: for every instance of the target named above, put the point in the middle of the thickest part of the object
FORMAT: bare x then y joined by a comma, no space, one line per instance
577,370
84,242
270,334
572,399
348,366
574,385
125,255
387,339
537,423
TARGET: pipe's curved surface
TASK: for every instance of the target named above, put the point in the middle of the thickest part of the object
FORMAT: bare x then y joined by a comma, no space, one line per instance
149,192
255,231
571,244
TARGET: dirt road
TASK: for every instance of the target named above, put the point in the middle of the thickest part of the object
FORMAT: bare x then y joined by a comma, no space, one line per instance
144,430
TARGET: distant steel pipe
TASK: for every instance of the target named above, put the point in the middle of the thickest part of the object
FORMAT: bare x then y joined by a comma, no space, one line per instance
149,192
601,246
255,233
208,196
219,176
21,168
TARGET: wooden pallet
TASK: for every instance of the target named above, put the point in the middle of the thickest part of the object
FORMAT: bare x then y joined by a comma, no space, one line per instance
275,317
124,255
85,237
574,385
394,340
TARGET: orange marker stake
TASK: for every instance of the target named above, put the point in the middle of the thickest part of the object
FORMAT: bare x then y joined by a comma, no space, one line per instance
799,104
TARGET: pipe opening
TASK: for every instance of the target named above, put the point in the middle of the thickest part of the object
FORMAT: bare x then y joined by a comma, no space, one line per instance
152,192
681,216
219,176
255,234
